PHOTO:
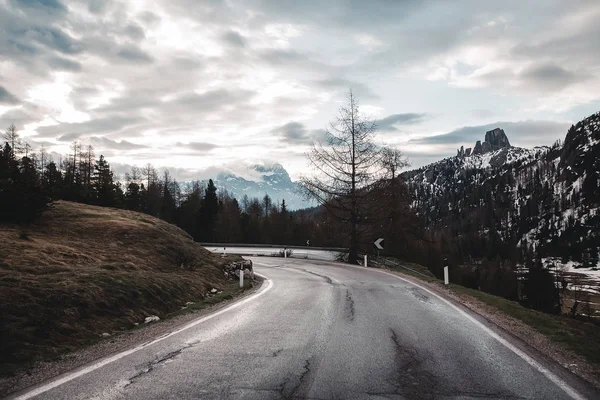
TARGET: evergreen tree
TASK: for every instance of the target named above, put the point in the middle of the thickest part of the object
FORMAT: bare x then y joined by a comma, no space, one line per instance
207,215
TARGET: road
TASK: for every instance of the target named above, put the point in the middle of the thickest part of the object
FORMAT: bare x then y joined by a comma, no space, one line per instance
321,330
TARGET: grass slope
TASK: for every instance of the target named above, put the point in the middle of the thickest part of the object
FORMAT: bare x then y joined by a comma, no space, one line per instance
82,270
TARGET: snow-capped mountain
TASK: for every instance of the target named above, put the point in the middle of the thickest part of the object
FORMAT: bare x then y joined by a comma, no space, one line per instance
507,202
258,180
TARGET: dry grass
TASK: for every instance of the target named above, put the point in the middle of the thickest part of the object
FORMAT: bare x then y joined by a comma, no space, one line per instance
82,270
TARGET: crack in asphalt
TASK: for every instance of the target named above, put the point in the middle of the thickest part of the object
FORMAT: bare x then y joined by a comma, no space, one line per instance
412,380
302,378
418,294
293,393
149,367
277,352
350,305
327,279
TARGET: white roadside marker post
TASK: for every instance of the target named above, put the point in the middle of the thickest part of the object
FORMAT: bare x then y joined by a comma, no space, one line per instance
241,277
446,275
365,260
224,251
285,252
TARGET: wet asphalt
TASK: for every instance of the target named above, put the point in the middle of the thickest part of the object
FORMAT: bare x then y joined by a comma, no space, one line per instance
320,330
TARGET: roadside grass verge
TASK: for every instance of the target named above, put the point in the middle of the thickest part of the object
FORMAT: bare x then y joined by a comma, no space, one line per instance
80,271
580,337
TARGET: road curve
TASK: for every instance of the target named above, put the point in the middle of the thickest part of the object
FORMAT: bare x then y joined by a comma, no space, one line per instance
320,330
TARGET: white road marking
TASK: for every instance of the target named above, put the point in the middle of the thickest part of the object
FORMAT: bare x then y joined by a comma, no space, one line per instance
544,371
69,377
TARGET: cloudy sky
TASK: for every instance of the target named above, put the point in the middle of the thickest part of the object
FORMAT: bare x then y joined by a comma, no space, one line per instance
200,85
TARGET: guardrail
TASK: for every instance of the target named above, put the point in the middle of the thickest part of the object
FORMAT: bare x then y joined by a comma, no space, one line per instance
274,246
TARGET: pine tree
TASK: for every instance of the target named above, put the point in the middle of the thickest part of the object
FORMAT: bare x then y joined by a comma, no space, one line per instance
207,215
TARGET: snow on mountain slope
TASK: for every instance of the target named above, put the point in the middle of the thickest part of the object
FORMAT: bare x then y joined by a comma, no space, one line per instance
503,201
258,180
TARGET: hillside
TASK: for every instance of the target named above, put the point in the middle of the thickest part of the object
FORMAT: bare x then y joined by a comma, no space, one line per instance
80,271
501,202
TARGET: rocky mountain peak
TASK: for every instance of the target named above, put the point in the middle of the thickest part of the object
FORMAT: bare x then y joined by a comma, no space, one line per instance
495,139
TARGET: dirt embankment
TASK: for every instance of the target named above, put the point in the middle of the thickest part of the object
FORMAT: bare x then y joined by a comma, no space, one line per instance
81,271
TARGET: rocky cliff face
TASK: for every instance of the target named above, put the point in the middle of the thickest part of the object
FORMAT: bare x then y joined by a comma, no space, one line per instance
495,139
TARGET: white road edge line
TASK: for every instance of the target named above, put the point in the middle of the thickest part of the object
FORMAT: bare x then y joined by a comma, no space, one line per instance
544,371
55,383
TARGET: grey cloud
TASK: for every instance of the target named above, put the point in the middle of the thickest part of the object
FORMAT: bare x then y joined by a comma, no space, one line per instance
134,31
388,123
297,133
96,6
550,77
106,143
211,100
201,147
361,13
520,133
134,54
361,90
69,137
581,45
291,59
149,18
235,39
6,97
22,116
61,63
94,126
45,5
30,32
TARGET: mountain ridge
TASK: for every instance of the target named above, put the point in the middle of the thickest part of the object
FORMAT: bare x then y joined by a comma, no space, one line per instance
517,203
261,179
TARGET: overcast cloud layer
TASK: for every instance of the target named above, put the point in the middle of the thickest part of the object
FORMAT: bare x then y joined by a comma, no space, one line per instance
202,85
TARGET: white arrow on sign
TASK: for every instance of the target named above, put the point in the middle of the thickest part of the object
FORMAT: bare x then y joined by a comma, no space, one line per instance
379,243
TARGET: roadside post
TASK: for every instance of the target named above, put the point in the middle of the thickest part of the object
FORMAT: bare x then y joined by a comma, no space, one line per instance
242,277
446,277
366,261
307,244
224,251
285,252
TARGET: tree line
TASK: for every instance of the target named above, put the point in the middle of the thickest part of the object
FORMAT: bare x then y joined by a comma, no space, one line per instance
30,180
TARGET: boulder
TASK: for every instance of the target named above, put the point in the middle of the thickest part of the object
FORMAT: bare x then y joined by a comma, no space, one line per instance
233,269
152,318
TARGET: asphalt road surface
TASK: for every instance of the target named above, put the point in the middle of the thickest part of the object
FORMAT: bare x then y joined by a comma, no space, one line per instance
320,330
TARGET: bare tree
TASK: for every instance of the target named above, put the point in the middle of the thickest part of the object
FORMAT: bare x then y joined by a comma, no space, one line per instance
43,160
346,165
392,161
27,148
150,174
76,149
12,137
